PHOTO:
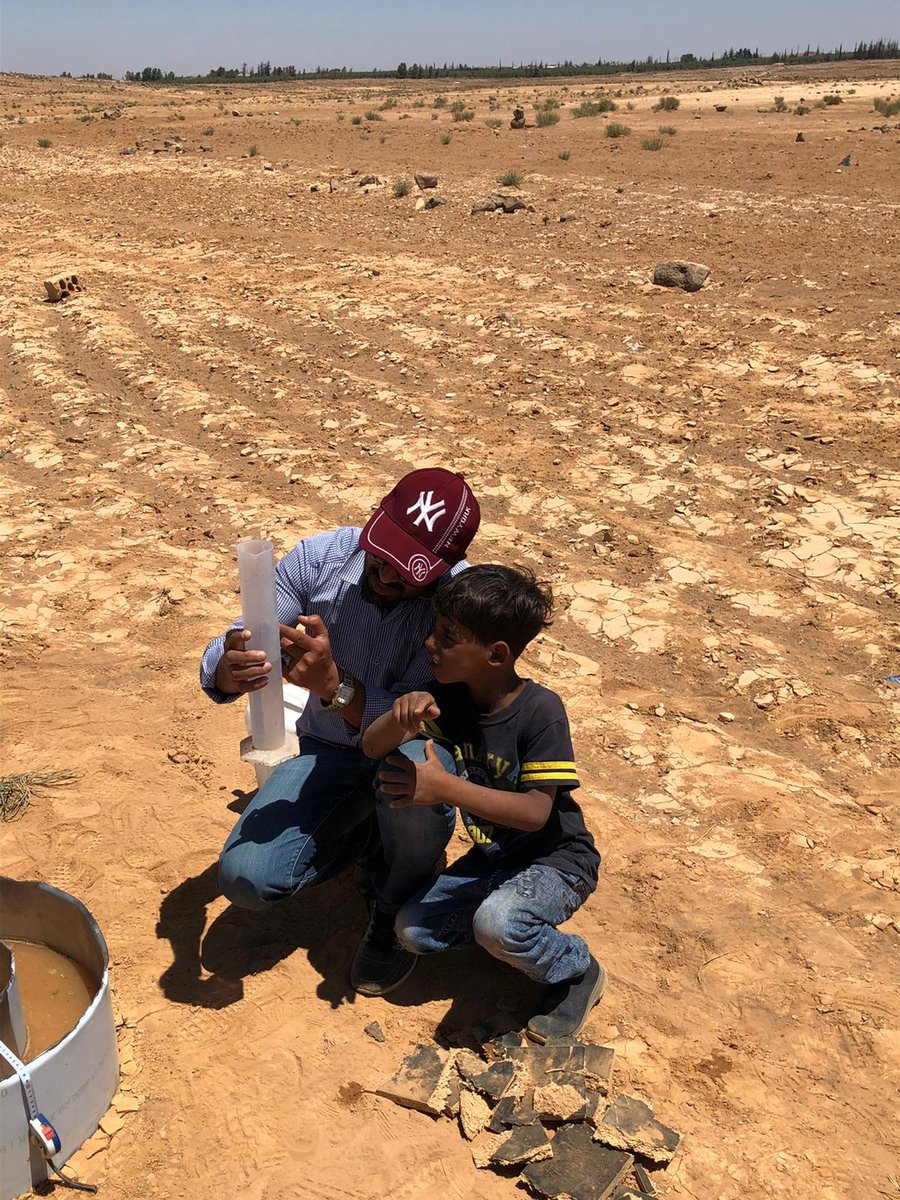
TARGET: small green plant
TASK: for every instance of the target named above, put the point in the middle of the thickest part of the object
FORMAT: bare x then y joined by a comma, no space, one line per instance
593,108
547,104
207,132
389,103
434,116
615,130
652,143
493,122
564,155
44,143
667,130
889,107
780,104
372,115
801,110
511,179
547,116
831,100
180,117
629,106
401,187
666,104
445,139
356,119
296,120
439,102
85,118
464,114
457,106
253,151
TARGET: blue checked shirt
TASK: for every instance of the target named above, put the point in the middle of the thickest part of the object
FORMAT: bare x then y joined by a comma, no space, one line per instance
383,648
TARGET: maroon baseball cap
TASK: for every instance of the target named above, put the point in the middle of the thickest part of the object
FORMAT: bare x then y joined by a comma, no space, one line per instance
424,525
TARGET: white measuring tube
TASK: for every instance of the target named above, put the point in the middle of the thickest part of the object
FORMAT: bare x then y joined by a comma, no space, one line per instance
256,570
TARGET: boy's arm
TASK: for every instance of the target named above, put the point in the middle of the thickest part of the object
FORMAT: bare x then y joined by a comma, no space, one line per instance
428,783
401,724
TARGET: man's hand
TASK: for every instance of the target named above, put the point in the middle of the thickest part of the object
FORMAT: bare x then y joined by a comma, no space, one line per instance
241,670
414,709
413,783
309,650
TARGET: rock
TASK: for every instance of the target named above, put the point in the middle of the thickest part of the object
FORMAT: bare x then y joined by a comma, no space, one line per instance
580,1168
500,200
721,107
128,150
629,1124
491,1080
434,202
61,287
235,113
425,181
567,216
425,1080
518,119
688,276
529,1143
368,181
373,1029
799,138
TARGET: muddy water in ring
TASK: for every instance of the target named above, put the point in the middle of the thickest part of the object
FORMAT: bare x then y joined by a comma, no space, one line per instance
55,992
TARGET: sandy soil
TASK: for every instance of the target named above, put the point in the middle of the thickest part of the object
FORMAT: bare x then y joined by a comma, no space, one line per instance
711,482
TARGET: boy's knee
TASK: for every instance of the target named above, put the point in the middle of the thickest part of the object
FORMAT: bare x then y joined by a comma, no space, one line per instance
409,931
498,923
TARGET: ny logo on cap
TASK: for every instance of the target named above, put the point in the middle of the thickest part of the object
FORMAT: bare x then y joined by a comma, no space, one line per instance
428,511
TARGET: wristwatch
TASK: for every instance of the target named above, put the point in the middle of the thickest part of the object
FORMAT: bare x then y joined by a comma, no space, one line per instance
346,690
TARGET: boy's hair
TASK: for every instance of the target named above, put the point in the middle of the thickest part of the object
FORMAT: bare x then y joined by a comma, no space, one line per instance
498,604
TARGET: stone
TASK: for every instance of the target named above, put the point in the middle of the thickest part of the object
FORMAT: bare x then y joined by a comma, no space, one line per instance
688,276
375,1032
629,1124
425,1080
434,202
721,107
799,138
474,1114
566,216
528,1143
562,1100
425,181
500,201
61,287
518,119
577,1171
368,181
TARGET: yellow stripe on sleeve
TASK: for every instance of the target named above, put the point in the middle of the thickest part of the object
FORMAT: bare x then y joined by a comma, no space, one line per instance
549,777
547,766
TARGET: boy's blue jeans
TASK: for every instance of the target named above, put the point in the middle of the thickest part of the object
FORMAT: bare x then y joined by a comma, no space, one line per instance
513,914
313,817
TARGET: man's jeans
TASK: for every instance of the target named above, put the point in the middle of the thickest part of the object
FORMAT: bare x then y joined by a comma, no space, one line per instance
313,817
513,914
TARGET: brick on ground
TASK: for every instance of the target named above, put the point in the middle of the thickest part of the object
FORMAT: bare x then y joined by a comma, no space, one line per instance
629,1124
426,1080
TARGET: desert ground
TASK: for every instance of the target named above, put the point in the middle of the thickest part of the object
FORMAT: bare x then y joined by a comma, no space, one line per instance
710,480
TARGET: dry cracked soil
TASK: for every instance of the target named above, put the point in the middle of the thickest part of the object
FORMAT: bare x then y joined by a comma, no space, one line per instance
711,481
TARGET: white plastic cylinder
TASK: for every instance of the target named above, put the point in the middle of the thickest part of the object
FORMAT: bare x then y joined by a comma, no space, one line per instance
256,570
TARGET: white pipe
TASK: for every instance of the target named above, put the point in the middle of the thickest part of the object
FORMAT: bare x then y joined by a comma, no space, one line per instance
256,569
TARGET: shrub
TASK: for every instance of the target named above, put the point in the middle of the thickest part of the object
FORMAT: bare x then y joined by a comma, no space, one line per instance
546,117
464,114
652,143
593,108
667,130
493,122
180,117
85,118
888,108
389,103
445,139
831,100
356,119
439,102
44,143
547,104
615,130
629,107
372,115
780,105
207,132
401,188
666,104
564,155
434,116
457,106
340,116
253,151
511,179
801,110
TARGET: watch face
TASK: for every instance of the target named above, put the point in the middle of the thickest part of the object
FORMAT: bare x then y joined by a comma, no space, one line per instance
344,694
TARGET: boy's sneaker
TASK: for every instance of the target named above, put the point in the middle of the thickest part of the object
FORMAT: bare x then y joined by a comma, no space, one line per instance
381,964
566,1006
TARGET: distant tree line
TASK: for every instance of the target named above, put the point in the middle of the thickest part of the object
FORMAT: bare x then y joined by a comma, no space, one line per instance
264,72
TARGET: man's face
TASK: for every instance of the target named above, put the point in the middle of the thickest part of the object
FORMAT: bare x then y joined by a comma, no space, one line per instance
382,585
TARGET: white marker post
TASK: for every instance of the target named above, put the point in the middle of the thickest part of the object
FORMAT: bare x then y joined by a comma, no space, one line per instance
268,743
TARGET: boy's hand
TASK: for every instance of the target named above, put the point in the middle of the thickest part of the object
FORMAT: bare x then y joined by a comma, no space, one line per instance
414,709
413,783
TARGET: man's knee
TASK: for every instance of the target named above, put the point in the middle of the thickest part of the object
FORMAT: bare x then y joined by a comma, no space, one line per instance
240,884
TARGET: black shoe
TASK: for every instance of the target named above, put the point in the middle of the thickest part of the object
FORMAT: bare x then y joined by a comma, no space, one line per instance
381,964
567,1006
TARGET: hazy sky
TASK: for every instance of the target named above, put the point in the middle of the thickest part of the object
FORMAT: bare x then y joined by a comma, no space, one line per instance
192,36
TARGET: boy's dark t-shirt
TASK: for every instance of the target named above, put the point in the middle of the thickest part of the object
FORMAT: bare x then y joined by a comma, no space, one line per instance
525,745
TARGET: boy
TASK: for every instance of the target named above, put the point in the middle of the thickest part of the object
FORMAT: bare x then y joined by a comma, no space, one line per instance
533,863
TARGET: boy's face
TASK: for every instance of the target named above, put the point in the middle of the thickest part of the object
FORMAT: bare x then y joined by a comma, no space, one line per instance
456,654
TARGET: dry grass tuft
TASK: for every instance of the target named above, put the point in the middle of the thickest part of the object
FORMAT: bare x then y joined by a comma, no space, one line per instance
16,791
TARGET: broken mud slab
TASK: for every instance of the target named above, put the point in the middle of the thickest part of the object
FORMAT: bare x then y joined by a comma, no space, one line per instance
426,1080
580,1169
629,1124
528,1143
